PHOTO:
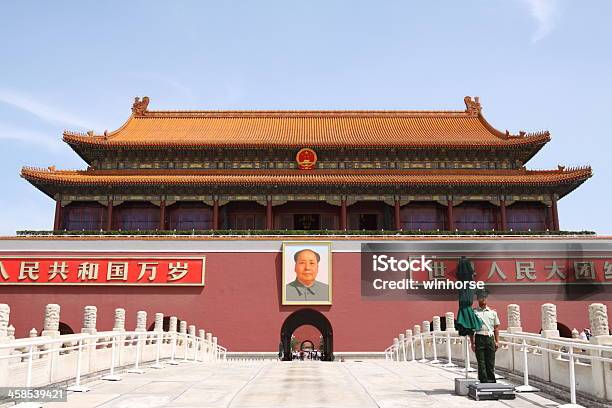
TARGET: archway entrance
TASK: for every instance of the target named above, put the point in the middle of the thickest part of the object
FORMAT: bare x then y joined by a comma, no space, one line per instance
307,317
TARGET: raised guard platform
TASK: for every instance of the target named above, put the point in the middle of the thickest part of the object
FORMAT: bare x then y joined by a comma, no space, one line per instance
491,391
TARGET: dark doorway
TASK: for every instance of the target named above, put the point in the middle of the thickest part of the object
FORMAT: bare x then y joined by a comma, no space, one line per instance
307,317
306,221
368,222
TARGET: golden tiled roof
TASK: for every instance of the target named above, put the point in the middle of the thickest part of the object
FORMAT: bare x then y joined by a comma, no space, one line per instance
306,177
464,129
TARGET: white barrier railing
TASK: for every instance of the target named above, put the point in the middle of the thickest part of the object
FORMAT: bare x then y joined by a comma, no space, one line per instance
39,361
552,360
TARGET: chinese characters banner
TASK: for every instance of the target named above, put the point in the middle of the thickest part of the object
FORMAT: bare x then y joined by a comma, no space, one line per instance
103,270
526,270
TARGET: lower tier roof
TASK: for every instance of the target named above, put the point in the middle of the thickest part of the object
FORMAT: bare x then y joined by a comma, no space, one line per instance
50,180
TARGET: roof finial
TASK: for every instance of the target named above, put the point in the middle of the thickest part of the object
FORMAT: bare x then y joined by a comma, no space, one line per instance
140,106
472,106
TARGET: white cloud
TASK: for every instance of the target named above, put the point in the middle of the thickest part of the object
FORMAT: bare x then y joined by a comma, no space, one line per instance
42,111
50,141
545,12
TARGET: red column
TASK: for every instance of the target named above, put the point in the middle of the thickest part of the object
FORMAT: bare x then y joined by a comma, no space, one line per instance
398,224
162,215
450,222
555,213
502,215
343,214
269,220
109,215
215,220
57,222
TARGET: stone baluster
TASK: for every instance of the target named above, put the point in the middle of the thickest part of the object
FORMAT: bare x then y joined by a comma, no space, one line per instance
598,319
514,318
183,327
426,327
5,314
214,348
449,318
159,322
51,322
600,330
575,334
549,320
119,320
172,324
192,330
90,316
437,325
33,333
416,330
402,347
202,336
141,321
11,332
5,372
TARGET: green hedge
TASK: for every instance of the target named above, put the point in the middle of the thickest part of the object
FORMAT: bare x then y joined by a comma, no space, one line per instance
301,232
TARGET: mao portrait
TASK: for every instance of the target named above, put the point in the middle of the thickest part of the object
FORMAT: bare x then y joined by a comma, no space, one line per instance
307,273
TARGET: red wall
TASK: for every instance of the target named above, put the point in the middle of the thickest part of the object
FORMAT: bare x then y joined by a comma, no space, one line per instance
240,304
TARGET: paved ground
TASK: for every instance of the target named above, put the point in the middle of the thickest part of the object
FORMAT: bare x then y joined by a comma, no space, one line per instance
287,385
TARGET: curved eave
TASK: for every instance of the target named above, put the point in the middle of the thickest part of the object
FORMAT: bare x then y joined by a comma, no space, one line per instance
51,181
101,143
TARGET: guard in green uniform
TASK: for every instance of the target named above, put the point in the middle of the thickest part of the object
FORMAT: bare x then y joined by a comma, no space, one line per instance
485,341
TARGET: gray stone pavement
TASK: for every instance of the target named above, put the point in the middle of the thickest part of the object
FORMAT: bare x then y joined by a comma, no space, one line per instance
371,383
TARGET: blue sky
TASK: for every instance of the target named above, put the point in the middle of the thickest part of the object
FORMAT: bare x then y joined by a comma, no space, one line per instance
536,64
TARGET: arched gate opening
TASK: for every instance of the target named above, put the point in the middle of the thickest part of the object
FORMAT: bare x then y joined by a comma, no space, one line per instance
307,317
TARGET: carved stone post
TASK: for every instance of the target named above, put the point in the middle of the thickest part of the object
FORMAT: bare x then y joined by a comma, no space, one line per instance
437,326
202,336
402,347
119,320
426,327
183,327
52,319
549,320
601,376
192,330
598,319
416,329
159,322
141,321
5,314
514,318
450,321
172,324
90,317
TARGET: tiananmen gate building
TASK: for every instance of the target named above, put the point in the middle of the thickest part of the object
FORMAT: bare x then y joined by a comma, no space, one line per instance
196,212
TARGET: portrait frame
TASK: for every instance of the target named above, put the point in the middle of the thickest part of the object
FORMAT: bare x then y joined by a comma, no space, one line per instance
288,274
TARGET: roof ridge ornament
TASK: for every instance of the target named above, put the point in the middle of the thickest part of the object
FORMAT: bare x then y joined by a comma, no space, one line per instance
139,107
472,106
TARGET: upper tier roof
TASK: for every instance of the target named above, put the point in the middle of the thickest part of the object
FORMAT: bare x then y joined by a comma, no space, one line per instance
295,129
